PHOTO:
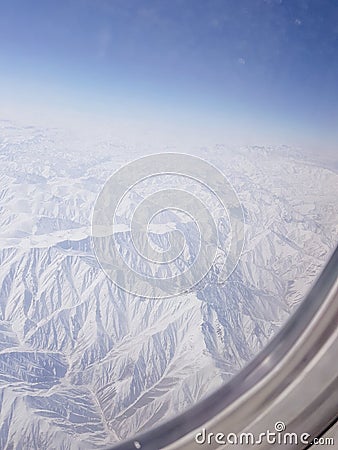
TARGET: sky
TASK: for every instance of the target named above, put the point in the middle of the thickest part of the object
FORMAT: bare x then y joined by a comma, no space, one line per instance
198,71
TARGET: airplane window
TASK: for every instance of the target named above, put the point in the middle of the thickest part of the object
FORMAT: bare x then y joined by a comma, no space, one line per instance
169,219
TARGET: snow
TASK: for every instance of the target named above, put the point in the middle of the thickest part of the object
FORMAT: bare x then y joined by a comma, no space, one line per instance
83,364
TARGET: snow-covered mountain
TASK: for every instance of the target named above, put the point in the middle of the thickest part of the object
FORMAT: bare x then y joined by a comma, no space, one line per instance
84,364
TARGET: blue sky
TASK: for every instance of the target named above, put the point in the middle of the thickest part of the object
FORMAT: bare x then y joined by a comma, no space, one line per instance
251,71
